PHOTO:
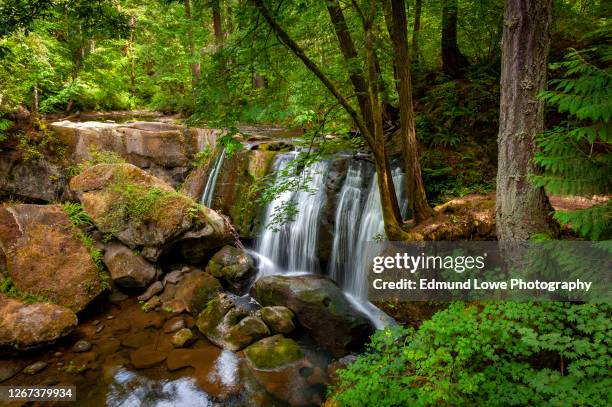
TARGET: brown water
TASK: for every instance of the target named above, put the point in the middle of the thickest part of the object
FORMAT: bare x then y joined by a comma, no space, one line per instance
123,336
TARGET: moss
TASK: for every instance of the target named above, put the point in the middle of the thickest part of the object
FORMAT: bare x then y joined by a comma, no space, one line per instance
203,294
273,352
8,288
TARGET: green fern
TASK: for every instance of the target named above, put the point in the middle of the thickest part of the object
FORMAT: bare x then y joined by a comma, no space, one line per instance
575,156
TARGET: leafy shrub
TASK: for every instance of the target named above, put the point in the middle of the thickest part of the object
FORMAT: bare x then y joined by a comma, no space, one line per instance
494,354
77,215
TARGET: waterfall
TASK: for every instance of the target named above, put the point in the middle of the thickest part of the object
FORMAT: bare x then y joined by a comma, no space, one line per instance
357,224
211,182
348,214
293,246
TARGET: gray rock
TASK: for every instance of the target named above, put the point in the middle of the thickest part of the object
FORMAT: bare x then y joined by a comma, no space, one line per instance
128,269
173,277
153,289
9,368
278,318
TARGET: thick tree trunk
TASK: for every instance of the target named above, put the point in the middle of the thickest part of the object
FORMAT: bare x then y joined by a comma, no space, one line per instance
397,25
522,209
195,66
453,61
416,28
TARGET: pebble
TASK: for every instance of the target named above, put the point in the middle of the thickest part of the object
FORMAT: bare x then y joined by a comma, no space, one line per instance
81,346
99,328
182,338
109,317
58,354
95,322
35,368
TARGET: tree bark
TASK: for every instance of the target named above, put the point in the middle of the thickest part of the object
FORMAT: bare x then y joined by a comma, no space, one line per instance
453,61
522,209
395,17
416,28
217,29
195,66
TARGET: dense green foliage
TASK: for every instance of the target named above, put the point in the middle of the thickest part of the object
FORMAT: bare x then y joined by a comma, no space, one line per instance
492,354
576,154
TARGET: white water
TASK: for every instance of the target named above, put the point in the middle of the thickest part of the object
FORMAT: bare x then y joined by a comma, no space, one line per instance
293,246
211,182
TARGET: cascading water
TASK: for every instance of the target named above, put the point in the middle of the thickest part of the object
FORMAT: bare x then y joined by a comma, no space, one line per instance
211,182
293,246
348,213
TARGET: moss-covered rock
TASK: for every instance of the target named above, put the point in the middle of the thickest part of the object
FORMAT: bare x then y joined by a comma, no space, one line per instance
279,319
273,352
143,211
45,256
196,289
235,267
320,307
26,326
229,325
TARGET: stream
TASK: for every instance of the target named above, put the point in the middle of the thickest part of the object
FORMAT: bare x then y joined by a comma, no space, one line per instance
121,335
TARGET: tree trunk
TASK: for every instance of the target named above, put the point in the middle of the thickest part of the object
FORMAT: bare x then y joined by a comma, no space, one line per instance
195,66
395,16
453,61
522,209
217,29
416,57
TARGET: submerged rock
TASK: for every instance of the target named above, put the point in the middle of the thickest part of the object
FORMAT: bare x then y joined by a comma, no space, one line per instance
81,346
320,307
278,318
27,326
43,254
127,268
235,267
229,325
143,211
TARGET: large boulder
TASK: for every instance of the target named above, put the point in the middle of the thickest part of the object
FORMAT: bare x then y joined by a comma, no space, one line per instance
229,324
144,212
27,326
234,266
320,307
128,269
43,254
273,352
196,289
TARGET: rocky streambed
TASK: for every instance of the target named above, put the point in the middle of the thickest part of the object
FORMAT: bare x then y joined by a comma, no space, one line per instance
137,295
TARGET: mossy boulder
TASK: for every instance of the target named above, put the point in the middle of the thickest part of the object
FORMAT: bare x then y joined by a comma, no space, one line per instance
45,256
320,307
196,289
279,319
234,266
27,326
273,352
229,325
144,212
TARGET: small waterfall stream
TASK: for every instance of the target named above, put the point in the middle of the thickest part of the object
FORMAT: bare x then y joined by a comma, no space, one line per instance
293,246
211,182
